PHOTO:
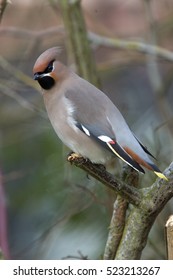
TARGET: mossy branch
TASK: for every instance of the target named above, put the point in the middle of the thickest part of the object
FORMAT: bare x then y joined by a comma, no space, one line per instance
147,204
118,220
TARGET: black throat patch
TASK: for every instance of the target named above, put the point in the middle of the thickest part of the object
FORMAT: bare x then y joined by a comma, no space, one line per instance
46,82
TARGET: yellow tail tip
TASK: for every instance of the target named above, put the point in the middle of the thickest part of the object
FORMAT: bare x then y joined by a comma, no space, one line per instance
161,175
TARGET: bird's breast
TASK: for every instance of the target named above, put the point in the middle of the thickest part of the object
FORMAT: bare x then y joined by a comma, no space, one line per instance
61,113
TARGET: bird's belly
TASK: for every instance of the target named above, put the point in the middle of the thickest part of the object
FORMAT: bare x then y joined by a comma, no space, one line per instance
71,135
82,144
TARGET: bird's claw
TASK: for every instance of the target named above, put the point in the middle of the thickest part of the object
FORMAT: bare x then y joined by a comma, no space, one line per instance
72,156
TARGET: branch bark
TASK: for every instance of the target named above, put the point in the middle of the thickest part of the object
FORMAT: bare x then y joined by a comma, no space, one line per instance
78,43
99,172
147,204
169,237
3,5
141,218
96,39
116,228
129,45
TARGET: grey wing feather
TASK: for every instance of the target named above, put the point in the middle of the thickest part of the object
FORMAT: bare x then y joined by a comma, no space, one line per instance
86,98
93,108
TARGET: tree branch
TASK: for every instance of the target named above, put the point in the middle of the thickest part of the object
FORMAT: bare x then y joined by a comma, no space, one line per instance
96,39
3,5
116,227
141,218
99,172
131,177
23,33
148,203
169,237
17,73
156,196
131,46
78,43
135,235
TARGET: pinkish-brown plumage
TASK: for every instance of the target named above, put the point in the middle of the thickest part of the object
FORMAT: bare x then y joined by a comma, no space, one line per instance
85,119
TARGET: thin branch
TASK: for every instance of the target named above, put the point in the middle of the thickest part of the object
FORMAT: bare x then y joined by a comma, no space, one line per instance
131,46
23,33
78,44
79,257
152,65
3,5
99,172
17,73
96,39
23,102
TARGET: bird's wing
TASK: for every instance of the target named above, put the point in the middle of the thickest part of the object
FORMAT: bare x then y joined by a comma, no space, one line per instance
91,117
144,148
108,143
97,117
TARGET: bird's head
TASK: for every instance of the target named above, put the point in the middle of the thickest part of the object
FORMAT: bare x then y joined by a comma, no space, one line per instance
47,69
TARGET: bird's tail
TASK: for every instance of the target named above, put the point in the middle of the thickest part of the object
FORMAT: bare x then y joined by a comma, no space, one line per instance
161,175
158,172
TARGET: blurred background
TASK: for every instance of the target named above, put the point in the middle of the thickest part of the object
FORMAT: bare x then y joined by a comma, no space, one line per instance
53,210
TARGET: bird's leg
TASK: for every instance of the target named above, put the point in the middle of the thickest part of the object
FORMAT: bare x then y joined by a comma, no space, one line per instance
72,156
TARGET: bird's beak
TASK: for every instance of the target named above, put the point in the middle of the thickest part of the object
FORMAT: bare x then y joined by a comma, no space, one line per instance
37,76
45,80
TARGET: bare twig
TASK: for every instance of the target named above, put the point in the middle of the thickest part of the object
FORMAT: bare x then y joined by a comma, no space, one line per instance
152,65
78,43
79,257
22,101
17,73
3,5
96,39
23,33
131,46
100,173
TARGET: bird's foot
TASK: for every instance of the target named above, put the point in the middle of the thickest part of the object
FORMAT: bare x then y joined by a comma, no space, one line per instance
72,156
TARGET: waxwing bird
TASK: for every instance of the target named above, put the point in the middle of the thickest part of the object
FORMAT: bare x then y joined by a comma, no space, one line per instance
85,119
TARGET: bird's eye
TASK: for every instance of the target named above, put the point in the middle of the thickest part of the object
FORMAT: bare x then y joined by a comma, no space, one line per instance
49,67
